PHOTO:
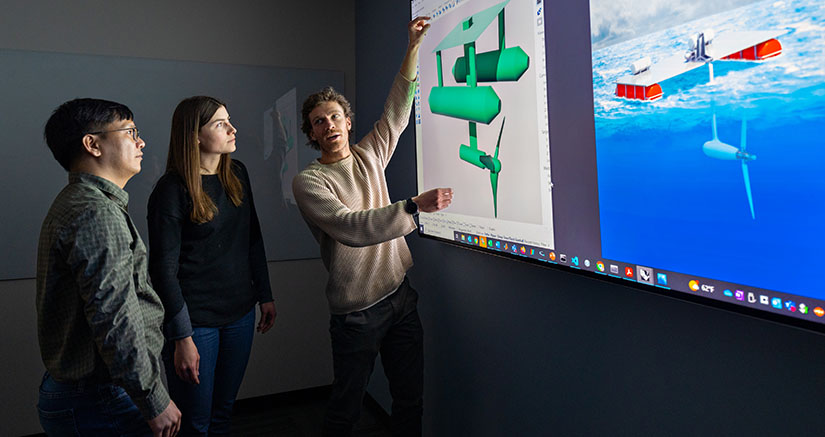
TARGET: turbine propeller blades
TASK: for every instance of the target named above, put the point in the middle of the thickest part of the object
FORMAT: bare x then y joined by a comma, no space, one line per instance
744,144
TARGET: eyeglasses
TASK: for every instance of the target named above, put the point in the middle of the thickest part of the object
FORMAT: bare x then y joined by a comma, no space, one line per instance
135,132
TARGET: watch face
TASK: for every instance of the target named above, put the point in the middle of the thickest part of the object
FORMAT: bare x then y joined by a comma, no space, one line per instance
411,207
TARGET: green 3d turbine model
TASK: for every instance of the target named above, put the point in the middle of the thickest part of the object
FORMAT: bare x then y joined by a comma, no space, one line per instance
477,104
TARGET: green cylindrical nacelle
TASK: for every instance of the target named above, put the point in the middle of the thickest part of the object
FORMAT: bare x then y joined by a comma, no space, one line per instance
505,65
471,155
480,104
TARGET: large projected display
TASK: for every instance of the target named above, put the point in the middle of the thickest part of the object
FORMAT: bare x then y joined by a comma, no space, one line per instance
708,165
716,110
481,119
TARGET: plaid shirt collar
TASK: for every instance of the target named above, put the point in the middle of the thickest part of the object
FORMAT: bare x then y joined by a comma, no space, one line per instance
112,191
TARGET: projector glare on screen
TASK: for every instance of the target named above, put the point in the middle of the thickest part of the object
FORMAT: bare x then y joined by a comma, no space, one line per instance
707,167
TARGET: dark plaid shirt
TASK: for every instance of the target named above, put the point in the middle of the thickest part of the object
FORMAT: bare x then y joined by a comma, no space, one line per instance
97,316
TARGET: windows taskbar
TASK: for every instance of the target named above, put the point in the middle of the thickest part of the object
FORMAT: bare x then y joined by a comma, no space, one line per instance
771,301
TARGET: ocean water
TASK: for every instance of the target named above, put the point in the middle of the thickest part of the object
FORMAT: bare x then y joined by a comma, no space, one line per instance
665,204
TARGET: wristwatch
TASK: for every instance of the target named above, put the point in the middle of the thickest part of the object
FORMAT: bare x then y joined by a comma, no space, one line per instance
411,207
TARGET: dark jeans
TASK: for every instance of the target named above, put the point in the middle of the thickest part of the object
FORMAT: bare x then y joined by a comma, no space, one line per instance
206,408
88,408
391,327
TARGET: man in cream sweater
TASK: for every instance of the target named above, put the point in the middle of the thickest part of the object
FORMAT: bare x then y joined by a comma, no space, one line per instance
344,199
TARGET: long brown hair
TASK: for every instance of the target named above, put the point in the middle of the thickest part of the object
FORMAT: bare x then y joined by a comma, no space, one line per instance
185,159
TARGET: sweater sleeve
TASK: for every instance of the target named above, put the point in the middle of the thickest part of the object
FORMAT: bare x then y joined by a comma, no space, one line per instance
322,208
257,253
166,215
384,135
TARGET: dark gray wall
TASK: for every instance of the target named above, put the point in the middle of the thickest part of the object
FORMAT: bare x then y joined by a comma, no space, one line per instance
515,349
154,89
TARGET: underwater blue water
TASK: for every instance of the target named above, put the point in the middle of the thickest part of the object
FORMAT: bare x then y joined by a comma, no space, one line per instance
665,204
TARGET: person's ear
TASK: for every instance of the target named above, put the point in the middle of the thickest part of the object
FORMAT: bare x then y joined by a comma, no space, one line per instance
91,145
349,124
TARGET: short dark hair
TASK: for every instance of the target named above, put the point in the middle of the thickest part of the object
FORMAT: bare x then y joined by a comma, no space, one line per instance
72,120
327,94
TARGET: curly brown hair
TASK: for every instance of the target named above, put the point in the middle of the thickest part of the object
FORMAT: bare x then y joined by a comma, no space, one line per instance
327,94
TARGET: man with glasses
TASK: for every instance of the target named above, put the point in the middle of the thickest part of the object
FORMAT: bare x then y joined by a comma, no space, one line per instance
98,319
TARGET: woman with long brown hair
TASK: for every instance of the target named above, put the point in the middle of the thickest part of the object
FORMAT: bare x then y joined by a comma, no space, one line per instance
207,264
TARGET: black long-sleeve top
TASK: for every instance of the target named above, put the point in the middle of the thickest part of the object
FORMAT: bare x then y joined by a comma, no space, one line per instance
207,274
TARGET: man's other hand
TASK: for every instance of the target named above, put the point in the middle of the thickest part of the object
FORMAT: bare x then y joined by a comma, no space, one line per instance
434,200
167,423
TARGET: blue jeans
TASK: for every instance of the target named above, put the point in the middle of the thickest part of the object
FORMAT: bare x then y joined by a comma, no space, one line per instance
88,408
393,329
224,352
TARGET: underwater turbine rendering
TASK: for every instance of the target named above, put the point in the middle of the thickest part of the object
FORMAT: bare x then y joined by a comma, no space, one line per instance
474,103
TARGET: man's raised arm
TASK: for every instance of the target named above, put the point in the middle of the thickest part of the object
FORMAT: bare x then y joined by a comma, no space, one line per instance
417,28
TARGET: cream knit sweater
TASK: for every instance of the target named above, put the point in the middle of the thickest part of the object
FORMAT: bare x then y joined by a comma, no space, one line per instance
347,207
